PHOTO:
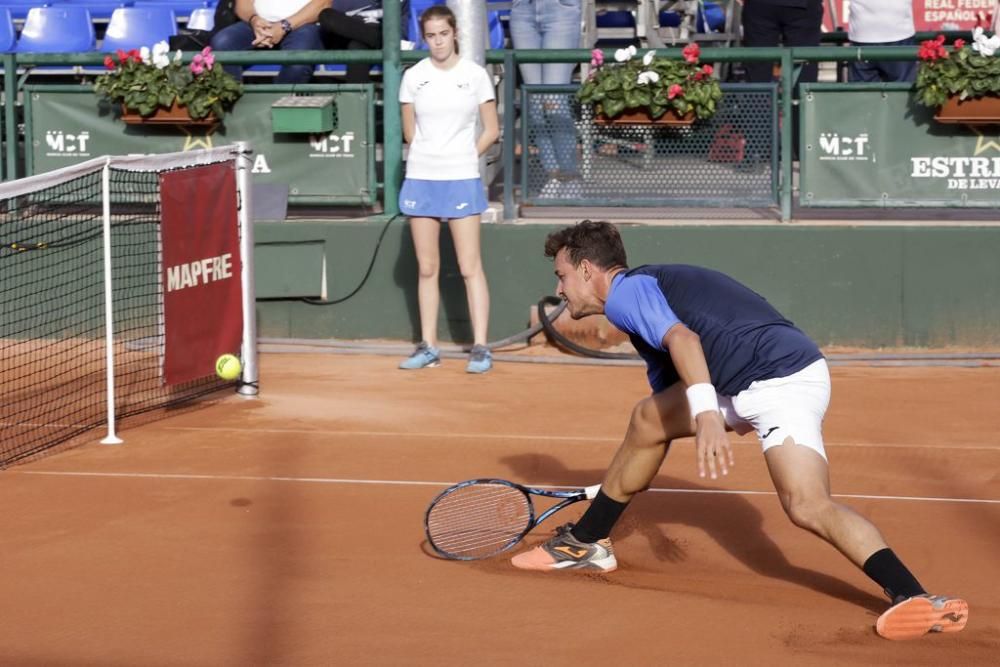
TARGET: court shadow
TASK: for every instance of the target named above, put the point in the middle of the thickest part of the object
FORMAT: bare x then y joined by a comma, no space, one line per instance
729,519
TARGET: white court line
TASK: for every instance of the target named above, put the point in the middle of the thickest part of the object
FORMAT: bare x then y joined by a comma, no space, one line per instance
396,482
535,437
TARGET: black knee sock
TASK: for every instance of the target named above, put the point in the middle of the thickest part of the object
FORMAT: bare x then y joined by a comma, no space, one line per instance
889,572
597,522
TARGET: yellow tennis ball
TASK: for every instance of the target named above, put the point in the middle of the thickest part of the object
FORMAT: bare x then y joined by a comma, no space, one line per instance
228,367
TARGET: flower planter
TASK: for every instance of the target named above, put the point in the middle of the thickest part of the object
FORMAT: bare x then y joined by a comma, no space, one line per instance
175,115
975,111
670,118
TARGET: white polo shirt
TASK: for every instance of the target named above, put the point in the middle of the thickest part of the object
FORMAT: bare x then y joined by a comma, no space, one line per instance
275,10
880,21
446,107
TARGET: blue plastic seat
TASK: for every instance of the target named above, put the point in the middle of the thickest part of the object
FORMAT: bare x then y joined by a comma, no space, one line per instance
202,18
19,8
182,8
60,29
8,36
100,10
135,27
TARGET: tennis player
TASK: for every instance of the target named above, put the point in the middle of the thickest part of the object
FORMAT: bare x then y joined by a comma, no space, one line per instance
718,357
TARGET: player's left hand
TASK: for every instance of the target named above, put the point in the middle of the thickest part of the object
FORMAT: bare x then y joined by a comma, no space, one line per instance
713,448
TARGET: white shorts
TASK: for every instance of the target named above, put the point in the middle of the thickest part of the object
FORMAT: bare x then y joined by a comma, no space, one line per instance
779,408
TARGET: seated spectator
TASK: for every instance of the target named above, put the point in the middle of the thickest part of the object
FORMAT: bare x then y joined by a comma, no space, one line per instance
354,24
882,23
268,24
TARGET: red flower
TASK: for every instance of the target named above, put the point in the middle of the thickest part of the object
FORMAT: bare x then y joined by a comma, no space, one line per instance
135,55
691,52
959,43
122,56
933,49
109,62
707,70
674,91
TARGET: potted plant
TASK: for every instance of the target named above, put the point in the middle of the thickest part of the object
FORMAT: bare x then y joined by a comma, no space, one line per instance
963,84
151,87
650,89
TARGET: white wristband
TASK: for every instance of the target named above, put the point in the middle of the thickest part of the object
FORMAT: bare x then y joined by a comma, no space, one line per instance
702,398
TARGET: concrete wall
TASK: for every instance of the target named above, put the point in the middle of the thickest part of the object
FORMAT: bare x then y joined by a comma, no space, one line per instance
870,286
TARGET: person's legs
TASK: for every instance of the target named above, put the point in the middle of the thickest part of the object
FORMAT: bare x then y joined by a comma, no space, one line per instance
560,25
465,234
863,71
303,38
761,27
655,422
803,27
426,235
801,478
525,33
341,31
236,37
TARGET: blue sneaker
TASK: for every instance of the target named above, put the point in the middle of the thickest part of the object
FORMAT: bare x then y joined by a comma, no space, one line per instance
480,360
424,356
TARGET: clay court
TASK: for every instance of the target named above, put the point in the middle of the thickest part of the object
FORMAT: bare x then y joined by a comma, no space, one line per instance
287,530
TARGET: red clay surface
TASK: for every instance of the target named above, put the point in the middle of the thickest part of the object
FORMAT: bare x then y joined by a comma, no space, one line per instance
288,530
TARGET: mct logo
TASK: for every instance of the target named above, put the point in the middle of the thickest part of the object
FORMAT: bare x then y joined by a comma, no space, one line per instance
63,143
836,147
332,145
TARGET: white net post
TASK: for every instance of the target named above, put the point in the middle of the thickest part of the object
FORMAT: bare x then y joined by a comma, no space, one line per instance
244,164
109,321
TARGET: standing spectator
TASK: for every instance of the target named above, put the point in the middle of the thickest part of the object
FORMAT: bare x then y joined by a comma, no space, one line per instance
268,24
781,23
550,24
441,97
882,23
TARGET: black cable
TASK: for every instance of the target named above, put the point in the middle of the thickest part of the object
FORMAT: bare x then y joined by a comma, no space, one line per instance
566,342
371,265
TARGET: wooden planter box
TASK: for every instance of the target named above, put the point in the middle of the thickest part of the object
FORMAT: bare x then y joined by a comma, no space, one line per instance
975,111
175,115
643,118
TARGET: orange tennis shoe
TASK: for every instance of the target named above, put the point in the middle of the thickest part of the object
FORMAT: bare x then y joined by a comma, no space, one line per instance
915,617
565,552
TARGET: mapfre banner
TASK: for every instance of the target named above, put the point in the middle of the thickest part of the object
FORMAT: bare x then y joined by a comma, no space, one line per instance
202,304
928,15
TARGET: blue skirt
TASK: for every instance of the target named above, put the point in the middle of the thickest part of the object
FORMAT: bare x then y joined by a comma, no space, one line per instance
442,199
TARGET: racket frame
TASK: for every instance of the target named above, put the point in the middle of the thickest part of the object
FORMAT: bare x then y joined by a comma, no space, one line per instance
568,497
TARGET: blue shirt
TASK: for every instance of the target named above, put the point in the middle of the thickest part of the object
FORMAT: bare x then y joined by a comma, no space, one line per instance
744,338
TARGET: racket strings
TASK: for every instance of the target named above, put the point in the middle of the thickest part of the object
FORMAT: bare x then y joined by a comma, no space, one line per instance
478,520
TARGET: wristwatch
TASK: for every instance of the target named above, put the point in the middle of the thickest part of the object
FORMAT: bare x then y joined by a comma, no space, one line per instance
286,26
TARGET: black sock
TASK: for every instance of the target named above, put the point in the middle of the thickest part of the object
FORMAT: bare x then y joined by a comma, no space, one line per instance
889,572
597,522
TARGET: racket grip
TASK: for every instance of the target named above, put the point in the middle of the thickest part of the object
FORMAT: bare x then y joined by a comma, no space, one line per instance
591,491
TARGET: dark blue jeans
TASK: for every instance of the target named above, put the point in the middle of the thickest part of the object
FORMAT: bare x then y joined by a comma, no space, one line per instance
883,70
239,37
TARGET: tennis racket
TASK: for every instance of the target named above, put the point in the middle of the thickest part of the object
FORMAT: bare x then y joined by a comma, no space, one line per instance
480,518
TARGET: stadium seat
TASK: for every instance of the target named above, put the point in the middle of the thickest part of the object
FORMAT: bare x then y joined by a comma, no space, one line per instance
19,8
182,8
8,37
100,10
61,29
202,18
135,27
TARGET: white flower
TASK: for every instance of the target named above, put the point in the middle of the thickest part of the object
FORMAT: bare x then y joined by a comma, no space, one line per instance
984,46
621,55
144,54
647,77
160,57
631,50
648,58
178,56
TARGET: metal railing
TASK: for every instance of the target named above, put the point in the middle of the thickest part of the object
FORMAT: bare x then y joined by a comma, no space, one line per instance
392,60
